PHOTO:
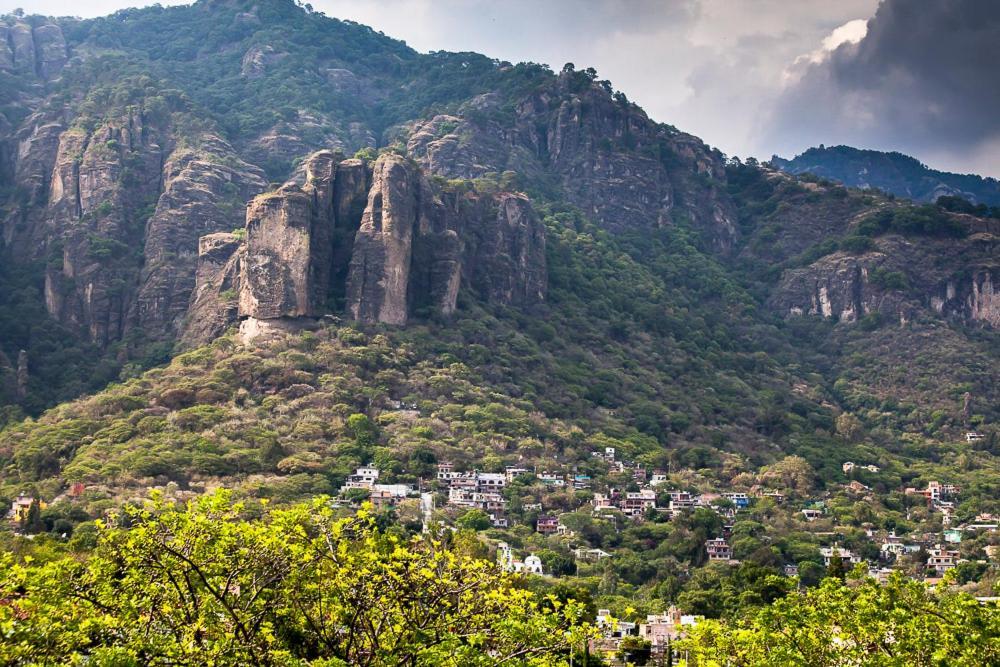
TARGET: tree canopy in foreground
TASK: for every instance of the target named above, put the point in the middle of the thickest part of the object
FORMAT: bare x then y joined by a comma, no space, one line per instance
864,623
207,584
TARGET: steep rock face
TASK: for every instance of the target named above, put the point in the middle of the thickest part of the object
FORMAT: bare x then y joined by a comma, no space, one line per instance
95,200
350,196
23,47
289,245
839,287
377,243
276,267
50,49
903,278
608,157
214,301
507,264
6,52
39,51
205,190
398,201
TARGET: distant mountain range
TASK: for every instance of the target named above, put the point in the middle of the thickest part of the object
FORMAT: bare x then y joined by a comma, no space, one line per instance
899,174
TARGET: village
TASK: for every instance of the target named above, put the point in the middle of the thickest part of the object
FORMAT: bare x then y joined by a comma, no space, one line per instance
648,498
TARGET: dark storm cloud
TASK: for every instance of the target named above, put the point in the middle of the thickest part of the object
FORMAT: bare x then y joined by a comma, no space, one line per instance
924,80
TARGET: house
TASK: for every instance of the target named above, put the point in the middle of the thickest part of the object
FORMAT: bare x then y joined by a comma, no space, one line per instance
513,472
935,491
363,478
740,500
941,559
718,549
845,555
880,574
791,570
563,531
847,467
974,436
604,501
389,495
661,629
612,628
547,525
659,477
953,536
488,482
636,503
872,468
581,482
812,514
20,507
857,487
505,559
445,470
552,479
590,555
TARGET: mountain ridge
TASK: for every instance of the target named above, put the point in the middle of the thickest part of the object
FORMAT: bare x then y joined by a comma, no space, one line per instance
891,172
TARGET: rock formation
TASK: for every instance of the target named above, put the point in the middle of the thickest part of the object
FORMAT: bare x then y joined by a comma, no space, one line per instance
611,160
901,278
377,243
398,203
40,51
215,300
205,190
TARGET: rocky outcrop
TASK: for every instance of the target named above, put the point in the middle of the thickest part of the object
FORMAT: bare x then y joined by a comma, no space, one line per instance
901,279
289,246
99,185
840,287
215,300
276,266
378,243
610,159
50,50
258,58
205,191
6,52
507,264
40,51
398,202
974,298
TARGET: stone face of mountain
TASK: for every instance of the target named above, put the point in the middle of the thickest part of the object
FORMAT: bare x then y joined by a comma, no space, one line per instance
380,240
39,51
611,160
205,189
901,278
214,302
896,173
398,203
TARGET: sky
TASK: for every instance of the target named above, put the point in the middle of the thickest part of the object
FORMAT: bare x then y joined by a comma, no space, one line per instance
751,77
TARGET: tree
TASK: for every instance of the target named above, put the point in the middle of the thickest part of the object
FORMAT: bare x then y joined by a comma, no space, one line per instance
902,622
475,520
837,569
207,585
31,522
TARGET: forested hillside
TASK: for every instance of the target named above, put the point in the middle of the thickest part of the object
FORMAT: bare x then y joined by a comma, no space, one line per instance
247,246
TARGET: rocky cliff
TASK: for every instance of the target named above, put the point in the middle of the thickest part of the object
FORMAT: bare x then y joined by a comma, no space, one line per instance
36,49
605,154
407,250
901,278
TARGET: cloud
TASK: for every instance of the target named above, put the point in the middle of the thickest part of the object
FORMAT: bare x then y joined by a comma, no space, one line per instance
922,80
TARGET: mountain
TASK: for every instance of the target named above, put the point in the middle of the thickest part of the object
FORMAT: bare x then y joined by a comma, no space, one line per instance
251,246
894,173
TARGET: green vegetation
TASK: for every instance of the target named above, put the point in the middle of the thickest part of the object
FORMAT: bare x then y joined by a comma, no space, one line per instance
865,623
222,583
